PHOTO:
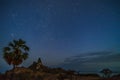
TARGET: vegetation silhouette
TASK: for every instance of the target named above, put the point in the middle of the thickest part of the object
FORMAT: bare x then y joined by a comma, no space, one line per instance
16,52
106,73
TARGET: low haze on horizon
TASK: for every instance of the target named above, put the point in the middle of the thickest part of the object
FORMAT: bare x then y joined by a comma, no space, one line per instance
73,34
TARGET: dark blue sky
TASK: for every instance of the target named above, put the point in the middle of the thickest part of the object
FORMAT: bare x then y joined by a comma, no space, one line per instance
57,30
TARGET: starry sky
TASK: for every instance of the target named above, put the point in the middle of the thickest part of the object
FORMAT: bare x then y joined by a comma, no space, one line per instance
74,34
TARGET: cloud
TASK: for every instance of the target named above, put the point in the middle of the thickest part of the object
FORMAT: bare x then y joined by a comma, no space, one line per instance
93,61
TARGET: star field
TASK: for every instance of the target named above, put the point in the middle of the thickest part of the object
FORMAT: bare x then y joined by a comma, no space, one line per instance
59,29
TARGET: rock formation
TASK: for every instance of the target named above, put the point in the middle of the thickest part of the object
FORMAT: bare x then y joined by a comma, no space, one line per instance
38,66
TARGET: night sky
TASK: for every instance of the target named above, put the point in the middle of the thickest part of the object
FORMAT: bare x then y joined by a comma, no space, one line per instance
82,35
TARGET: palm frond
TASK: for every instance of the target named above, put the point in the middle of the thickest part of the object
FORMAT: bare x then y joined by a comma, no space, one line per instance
25,56
6,49
26,48
8,58
11,45
21,41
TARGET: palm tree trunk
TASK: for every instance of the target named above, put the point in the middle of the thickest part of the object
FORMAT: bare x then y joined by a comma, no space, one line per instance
14,66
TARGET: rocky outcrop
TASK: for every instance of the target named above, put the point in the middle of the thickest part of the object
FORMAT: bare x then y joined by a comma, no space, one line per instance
38,71
38,66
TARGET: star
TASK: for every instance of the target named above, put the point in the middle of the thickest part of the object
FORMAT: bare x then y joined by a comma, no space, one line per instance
12,35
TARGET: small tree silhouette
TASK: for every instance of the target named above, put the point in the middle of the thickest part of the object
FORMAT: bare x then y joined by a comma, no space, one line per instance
16,52
106,73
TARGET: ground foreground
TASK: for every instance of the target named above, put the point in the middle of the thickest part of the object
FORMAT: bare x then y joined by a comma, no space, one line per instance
37,71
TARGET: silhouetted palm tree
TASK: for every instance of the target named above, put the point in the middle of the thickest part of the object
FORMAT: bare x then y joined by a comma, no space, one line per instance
16,52
106,73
